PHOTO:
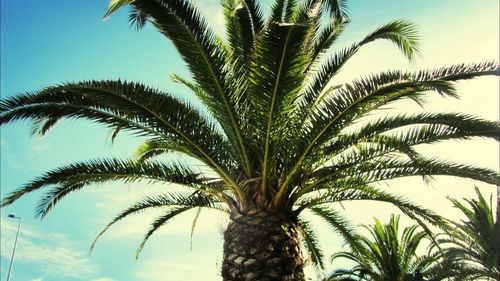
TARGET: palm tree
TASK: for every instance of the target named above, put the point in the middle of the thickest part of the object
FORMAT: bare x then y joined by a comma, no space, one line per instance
273,133
387,256
474,245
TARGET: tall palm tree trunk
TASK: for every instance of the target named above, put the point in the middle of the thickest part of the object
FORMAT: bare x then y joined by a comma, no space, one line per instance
262,246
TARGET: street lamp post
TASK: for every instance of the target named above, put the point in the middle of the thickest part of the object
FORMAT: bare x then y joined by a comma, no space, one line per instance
15,244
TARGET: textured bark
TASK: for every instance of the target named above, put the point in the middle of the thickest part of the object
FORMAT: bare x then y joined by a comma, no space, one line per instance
262,246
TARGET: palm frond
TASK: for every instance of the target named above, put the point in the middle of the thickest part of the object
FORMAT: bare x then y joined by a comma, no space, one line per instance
277,11
200,48
256,15
363,261
401,33
444,125
275,82
344,275
459,71
193,226
159,222
75,176
338,9
311,244
353,101
390,168
341,191
350,103
326,38
238,23
156,147
387,255
128,106
373,142
337,222
137,19
473,245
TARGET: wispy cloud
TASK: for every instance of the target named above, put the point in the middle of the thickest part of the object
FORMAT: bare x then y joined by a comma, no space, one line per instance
109,205
103,279
158,270
4,143
212,11
53,253
37,145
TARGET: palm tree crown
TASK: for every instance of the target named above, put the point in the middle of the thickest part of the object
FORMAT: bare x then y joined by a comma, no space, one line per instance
473,248
389,255
274,131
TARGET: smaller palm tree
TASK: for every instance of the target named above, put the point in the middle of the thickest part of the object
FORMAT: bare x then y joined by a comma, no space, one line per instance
473,247
387,256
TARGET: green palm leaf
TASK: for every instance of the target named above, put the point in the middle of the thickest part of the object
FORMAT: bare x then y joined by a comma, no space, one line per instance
75,176
356,191
159,222
275,85
238,22
326,38
128,106
352,101
311,244
473,247
387,254
401,33
256,15
179,21
337,222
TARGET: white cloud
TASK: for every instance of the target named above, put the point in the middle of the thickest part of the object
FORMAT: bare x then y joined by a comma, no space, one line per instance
103,279
109,205
37,145
52,253
4,143
209,222
212,10
37,279
154,270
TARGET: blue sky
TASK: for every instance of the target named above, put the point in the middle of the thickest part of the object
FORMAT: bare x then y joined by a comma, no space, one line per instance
49,42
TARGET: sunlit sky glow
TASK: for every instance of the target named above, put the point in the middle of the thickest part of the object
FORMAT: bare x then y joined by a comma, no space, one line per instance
54,41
